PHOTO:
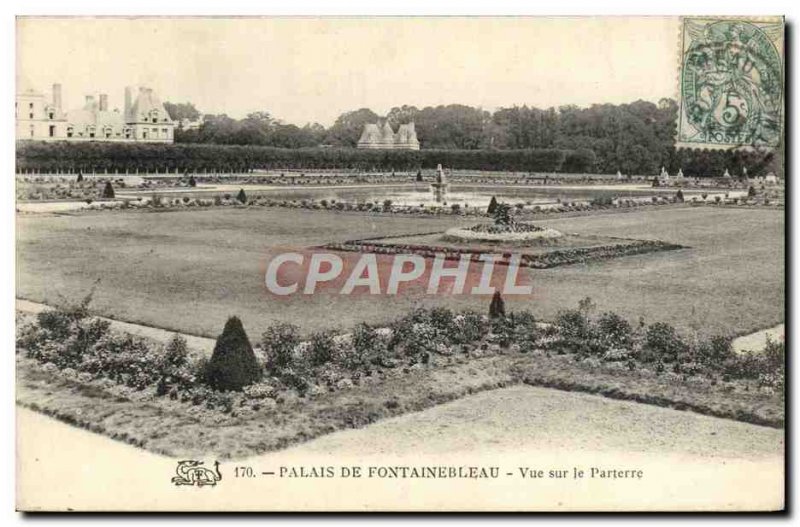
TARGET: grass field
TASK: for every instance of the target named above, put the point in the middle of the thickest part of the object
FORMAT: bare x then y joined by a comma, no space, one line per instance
190,270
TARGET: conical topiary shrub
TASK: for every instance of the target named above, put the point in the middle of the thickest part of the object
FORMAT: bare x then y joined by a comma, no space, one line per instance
108,191
497,308
192,181
242,197
80,177
492,206
233,364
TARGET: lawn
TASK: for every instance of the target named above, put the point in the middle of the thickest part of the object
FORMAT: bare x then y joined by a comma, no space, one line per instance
189,270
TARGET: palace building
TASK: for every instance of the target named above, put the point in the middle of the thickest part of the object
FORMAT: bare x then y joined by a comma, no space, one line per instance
374,137
143,119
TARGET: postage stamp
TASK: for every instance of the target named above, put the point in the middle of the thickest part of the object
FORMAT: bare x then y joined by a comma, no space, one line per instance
730,83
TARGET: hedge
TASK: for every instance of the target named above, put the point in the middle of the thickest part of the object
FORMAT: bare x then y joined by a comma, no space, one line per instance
97,156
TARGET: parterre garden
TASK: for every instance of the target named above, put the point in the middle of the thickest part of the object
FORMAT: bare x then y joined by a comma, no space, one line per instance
313,358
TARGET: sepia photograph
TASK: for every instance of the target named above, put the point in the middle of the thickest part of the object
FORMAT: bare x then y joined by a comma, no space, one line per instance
400,263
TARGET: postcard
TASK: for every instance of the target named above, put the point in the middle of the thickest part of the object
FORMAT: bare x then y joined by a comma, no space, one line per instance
400,264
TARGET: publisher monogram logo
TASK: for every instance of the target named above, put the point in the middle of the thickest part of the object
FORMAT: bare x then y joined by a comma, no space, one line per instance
191,472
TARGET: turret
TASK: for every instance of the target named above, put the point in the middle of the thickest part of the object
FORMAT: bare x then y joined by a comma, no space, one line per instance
128,103
57,97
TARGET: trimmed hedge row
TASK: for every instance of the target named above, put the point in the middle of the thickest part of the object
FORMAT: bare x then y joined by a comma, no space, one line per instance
47,156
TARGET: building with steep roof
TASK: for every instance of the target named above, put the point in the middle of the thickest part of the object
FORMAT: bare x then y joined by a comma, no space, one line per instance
143,119
375,137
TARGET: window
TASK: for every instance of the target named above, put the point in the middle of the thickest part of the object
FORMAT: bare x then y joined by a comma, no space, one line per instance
33,130
144,134
30,105
52,131
70,131
50,115
30,115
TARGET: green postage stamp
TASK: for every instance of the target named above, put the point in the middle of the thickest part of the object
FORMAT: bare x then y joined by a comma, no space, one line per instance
731,83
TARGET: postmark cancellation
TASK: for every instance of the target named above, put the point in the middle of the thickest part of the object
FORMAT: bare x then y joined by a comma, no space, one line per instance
731,86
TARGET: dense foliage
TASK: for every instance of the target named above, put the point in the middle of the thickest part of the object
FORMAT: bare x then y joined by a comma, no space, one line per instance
634,138
98,156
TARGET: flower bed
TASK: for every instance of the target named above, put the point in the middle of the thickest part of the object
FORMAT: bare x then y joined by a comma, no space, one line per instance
514,233
554,258
74,370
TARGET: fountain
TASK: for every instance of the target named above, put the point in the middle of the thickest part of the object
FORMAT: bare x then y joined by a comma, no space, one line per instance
440,186
504,229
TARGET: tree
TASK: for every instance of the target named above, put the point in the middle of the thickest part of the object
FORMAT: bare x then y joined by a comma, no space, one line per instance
679,196
348,127
419,175
182,111
751,192
497,307
402,115
108,191
451,127
192,181
233,364
242,197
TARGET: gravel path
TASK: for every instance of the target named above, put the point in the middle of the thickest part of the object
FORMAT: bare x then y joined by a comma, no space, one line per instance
543,419
687,462
758,341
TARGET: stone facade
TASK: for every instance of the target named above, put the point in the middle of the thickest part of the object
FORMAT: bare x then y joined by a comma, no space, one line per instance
143,119
375,137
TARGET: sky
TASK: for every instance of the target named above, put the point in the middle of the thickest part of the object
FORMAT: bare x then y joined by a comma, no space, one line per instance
304,70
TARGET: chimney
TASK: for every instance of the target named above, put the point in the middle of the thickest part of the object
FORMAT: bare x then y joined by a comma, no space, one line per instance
128,103
57,97
103,102
89,102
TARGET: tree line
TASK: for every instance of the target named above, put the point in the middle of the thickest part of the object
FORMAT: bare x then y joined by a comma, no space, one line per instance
635,138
